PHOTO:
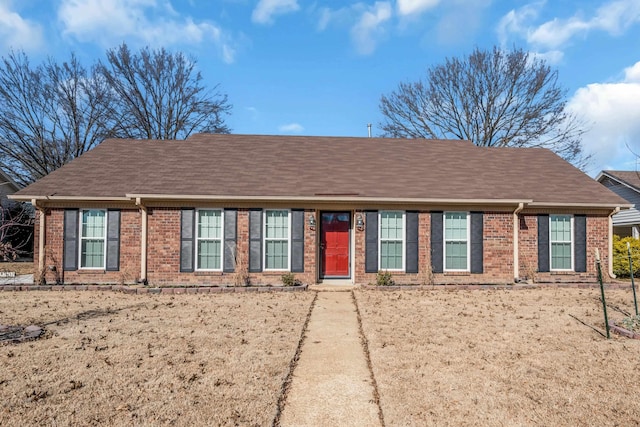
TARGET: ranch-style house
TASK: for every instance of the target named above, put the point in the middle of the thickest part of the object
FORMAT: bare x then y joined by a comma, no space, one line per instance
204,210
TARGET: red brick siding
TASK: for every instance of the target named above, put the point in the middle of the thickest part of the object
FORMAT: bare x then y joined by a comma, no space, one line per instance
163,259
597,237
129,251
163,265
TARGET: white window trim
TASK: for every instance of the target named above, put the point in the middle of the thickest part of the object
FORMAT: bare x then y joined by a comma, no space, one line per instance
196,232
81,238
445,240
404,241
571,232
264,240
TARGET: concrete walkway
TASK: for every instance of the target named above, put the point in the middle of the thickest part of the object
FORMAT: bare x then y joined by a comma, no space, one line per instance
331,384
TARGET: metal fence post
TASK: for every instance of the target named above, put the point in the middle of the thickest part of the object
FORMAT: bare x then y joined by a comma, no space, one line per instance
633,284
604,303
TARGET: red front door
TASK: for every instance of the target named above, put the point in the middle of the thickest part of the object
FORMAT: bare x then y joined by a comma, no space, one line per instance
334,244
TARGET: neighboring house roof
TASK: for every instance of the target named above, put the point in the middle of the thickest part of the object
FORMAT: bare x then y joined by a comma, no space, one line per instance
7,186
626,184
210,166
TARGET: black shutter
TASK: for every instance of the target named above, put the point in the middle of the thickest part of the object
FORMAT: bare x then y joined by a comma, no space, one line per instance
187,240
436,242
543,243
580,245
477,248
371,243
230,233
113,240
297,241
70,240
412,242
255,240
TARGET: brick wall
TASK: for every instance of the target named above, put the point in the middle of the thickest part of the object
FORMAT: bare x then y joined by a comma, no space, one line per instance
163,262
597,237
129,252
163,259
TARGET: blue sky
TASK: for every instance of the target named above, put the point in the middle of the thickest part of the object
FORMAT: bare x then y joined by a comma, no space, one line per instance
320,67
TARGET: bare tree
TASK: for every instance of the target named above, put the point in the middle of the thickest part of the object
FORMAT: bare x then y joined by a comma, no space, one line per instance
491,97
16,230
160,95
49,114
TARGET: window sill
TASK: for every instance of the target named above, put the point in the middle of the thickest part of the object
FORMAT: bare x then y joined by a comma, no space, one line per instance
457,273
208,273
561,272
89,271
275,272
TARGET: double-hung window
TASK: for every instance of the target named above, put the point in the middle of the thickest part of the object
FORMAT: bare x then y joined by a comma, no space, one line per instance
456,241
93,232
561,243
277,235
209,239
392,238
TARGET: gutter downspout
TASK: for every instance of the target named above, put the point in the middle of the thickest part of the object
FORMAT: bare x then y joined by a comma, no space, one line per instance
42,224
143,241
516,238
615,211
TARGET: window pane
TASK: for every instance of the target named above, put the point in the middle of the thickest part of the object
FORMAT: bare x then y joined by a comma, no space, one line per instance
92,238
277,254
561,256
209,224
391,255
455,226
209,254
560,228
93,224
277,225
456,256
391,225
92,253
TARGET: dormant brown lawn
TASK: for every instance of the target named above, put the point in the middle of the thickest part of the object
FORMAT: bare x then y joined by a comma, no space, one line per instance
500,357
115,359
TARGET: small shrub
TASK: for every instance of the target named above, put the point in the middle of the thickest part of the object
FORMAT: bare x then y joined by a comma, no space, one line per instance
631,323
289,279
384,278
621,256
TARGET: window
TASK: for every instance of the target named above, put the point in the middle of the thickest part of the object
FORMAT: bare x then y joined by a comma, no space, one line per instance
560,231
93,230
276,239
392,240
456,241
209,239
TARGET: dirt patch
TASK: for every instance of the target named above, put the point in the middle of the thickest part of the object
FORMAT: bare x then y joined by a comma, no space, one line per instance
17,267
501,357
117,359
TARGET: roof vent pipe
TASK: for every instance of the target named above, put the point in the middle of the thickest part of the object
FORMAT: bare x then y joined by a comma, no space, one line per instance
369,129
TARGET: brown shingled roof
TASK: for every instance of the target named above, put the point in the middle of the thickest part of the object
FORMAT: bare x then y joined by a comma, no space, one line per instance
631,178
303,166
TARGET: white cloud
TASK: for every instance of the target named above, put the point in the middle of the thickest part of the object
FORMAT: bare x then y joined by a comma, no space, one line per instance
109,22
415,7
267,9
369,28
613,17
291,128
17,32
612,110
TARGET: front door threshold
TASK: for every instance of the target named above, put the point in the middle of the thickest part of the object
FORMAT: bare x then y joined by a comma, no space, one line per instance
336,282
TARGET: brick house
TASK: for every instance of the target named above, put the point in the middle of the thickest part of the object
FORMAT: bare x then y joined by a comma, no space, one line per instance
210,208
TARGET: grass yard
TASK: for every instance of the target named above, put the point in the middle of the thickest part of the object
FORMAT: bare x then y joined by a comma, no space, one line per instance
116,359
501,357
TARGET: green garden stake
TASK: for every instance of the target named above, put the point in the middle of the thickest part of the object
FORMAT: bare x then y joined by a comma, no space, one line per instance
633,284
604,304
